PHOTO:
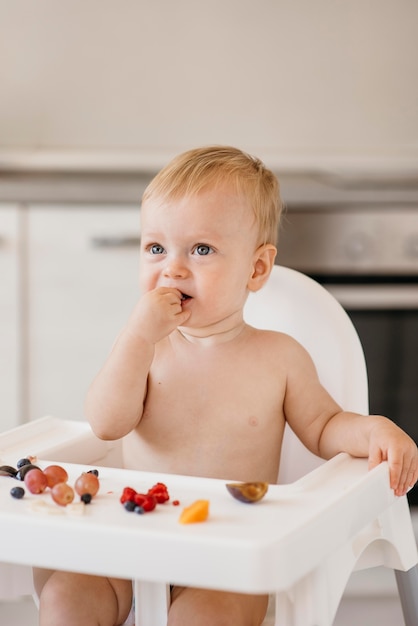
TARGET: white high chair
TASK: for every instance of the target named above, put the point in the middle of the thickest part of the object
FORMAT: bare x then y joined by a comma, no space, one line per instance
292,303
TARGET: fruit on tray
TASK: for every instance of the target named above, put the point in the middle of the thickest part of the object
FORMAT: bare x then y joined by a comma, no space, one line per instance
25,461
17,492
134,501
8,470
36,481
55,478
62,494
87,482
145,501
196,512
160,492
128,495
247,492
55,474
24,469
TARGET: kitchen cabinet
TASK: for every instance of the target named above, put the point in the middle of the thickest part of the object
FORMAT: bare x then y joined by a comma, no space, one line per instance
82,286
68,282
10,316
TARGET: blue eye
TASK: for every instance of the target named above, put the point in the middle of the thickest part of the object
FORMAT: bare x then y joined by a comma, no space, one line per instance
156,249
203,249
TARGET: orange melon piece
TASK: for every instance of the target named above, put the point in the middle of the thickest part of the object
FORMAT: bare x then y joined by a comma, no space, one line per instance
196,512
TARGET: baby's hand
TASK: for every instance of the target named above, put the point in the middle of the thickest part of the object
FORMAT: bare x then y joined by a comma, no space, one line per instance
389,443
158,313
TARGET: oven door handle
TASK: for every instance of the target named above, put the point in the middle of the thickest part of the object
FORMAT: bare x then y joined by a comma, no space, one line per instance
375,297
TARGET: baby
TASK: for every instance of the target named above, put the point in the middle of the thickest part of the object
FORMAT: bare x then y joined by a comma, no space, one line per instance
192,389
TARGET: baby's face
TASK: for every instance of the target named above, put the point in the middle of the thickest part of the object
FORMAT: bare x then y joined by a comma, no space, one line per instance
203,246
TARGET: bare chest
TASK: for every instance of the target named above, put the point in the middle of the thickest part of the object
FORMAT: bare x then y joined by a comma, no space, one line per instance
211,417
205,388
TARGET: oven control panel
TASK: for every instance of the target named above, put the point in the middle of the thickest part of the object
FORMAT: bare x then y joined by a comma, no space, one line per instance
350,240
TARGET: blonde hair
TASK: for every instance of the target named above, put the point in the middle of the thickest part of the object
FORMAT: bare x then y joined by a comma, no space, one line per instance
194,170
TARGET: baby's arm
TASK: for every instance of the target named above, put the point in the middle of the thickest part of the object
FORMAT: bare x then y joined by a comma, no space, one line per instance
377,438
327,430
115,400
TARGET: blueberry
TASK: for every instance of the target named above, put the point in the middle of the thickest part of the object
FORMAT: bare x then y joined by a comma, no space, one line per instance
24,470
93,471
23,462
139,509
129,506
17,492
86,498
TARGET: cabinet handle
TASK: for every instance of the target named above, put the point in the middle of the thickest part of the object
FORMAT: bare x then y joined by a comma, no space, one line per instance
114,241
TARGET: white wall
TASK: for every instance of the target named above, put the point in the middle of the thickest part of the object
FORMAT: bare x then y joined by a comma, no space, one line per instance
279,77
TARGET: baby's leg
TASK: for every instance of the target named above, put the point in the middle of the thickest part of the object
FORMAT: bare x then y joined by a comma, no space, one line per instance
72,599
201,607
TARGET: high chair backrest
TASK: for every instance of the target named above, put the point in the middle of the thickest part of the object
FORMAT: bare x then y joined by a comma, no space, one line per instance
293,303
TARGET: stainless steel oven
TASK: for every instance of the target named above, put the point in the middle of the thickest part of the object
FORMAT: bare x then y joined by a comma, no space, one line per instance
367,256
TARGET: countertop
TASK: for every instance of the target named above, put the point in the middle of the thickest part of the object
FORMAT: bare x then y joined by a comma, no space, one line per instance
111,176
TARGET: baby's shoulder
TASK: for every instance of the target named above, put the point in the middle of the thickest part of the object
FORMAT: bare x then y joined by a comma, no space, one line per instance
274,340
280,350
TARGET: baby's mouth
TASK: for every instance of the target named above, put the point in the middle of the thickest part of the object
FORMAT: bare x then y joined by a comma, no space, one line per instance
184,297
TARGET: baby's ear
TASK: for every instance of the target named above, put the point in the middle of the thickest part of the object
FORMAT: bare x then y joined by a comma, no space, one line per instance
262,265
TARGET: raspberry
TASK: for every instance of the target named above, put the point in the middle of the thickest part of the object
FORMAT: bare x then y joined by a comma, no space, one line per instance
160,492
159,487
149,503
128,494
139,499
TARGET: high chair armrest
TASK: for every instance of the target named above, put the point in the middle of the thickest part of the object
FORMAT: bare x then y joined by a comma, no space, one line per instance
58,440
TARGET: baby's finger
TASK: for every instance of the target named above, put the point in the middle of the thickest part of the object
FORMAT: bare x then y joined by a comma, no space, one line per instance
409,473
375,456
410,480
182,317
412,476
402,486
397,473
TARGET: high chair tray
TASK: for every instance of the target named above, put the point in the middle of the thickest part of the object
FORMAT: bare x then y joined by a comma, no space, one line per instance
261,547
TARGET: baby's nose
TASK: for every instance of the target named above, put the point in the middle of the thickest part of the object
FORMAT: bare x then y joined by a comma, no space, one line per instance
175,268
